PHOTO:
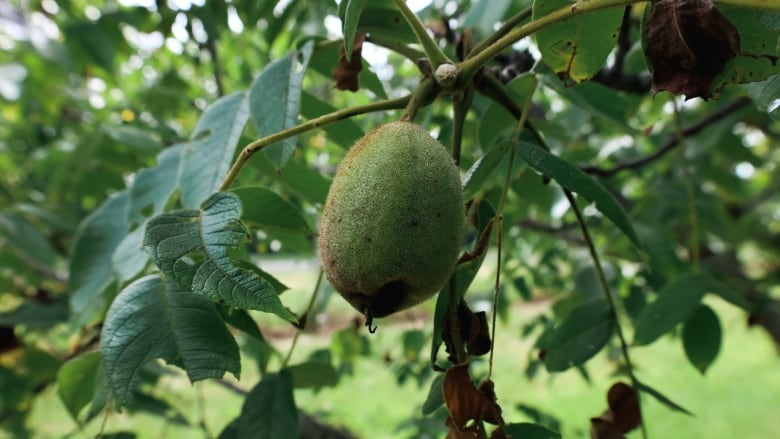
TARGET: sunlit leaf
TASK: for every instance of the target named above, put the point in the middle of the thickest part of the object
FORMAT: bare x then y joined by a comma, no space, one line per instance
152,187
91,271
576,48
129,257
152,319
207,157
275,100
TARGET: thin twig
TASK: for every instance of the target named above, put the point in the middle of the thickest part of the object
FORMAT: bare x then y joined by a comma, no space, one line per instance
307,316
672,142
317,122
610,301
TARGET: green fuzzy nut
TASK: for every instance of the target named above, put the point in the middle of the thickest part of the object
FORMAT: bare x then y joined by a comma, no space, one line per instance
393,222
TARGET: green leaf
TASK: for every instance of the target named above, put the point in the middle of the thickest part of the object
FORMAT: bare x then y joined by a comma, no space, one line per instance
313,375
92,43
151,319
661,398
758,60
576,48
275,100
599,100
496,120
764,94
381,18
192,247
76,382
265,209
241,320
483,168
344,133
144,140
573,179
527,430
349,23
483,15
435,398
676,301
97,238
305,182
701,337
726,292
129,258
152,187
25,240
580,336
269,410
207,158
37,314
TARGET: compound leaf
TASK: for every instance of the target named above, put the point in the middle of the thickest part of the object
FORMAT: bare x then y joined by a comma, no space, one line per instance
207,158
192,248
152,319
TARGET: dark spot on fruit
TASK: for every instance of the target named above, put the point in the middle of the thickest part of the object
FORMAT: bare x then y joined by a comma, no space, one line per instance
388,298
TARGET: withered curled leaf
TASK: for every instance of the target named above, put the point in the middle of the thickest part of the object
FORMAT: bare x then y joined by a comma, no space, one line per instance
622,415
347,73
688,43
465,402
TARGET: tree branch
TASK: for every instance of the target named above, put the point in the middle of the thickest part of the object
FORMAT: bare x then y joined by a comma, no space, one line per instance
671,143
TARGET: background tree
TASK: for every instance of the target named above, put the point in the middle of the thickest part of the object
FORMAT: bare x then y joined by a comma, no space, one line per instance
164,165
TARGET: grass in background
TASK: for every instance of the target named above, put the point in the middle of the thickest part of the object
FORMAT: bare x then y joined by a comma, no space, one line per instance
738,397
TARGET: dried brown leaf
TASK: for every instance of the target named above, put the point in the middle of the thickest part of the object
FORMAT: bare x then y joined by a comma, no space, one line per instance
465,402
603,429
348,72
624,405
688,43
622,415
